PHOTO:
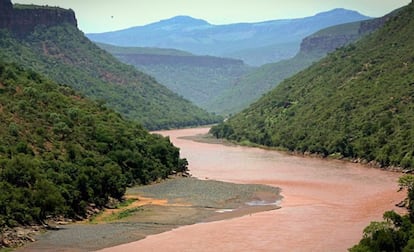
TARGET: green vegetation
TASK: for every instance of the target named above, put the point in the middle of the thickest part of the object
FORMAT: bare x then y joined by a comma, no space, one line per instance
128,212
226,89
65,55
197,78
251,86
142,50
6,249
126,203
60,152
396,232
115,216
355,103
198,83
36,7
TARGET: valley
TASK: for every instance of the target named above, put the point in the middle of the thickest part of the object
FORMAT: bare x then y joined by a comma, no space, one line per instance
226,86
182,135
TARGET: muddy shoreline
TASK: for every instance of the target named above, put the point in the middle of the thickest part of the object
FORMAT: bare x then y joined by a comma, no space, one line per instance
167,205
327,203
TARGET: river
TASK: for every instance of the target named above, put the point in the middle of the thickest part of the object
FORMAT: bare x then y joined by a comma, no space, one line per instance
326,204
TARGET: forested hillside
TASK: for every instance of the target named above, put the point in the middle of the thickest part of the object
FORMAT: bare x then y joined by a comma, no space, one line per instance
261,80
199,79
60,152
62,52
355,103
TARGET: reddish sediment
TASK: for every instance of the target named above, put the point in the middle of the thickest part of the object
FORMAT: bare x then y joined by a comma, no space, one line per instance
326,204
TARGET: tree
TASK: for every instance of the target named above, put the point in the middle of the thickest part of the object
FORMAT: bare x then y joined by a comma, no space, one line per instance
407,182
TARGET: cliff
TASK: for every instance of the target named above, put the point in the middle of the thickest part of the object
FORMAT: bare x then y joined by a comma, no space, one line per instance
325,43
22,19
328,40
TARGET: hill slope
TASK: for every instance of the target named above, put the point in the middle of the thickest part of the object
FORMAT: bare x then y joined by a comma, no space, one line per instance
64,54
254,43
313,48
60,152
356,103
197,78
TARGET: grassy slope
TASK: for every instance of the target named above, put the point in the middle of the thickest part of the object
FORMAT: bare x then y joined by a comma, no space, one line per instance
64,54
357,102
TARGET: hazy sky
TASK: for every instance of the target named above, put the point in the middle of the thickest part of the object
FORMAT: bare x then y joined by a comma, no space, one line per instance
109,15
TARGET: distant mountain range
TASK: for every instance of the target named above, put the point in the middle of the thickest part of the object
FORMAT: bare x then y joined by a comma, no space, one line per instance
227,86
255,43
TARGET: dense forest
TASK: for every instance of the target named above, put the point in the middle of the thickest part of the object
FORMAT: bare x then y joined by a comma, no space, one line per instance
355,103
60,152
64,54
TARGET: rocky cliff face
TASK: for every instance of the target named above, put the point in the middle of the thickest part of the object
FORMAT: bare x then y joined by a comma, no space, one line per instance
22,19
326,42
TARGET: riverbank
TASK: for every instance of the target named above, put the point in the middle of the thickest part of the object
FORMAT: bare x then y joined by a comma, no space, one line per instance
158,208
206,137
326,203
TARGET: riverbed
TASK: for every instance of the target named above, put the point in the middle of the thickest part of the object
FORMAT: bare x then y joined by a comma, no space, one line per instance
326,203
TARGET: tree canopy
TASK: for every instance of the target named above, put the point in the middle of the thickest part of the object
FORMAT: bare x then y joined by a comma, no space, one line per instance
60,152
65,55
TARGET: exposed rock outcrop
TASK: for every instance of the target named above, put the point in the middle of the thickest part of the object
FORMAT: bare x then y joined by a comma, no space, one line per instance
325,42
22,19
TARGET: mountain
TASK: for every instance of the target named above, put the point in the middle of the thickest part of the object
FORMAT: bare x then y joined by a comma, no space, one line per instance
61,153
48,41
228,88
197,78
254,43
312,48
356,103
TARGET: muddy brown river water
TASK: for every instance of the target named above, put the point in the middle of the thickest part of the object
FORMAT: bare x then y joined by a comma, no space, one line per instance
326,203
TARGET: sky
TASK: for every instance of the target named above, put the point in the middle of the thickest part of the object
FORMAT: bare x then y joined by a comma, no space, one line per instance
96,16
